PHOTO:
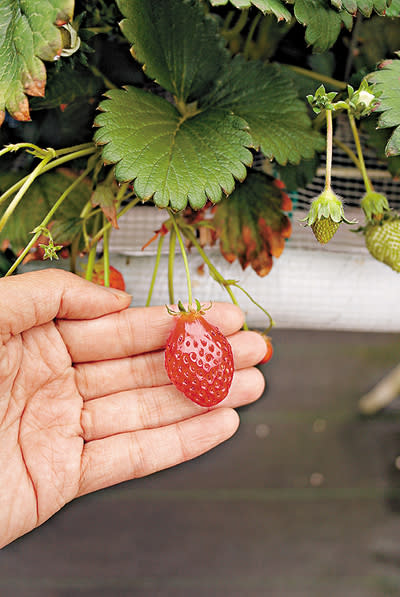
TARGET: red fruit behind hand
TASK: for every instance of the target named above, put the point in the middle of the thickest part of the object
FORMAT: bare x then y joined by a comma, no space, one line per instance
270,350
116,278
198,359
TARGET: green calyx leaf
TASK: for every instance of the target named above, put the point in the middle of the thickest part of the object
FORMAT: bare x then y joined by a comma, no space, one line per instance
172,159
28,35
374,205
387,83
327,205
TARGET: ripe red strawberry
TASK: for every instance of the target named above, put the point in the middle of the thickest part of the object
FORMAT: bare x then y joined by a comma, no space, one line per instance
198,358
116,278
270,350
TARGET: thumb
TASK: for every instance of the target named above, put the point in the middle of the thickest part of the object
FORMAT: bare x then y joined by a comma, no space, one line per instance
35,298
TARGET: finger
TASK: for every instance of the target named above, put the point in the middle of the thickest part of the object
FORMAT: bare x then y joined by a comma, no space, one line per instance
148,370
126,456
35,298
156,407
134,331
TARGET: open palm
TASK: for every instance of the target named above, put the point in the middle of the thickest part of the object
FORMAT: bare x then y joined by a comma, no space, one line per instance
85,401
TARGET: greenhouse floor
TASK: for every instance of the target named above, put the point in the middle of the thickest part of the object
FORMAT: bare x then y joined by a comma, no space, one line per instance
304,501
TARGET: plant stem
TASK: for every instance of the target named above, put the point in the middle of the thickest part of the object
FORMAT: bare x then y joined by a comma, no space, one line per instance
184,257
329,148
239,25
73,149
24,187
271,321
47,219
155,269
317,76
108,225
349,152
106,254
90,263
367,183
53,164
253,27
107,83
171,261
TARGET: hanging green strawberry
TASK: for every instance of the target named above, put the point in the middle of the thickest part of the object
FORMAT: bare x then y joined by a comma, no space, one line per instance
374,206
382,240
325,216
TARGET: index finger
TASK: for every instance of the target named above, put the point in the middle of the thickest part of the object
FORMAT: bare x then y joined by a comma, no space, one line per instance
134,331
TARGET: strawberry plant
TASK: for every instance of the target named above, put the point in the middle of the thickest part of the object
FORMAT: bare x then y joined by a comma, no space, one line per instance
205,109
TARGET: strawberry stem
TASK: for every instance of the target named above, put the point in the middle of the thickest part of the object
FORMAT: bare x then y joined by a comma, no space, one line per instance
184,257
367,183
155,269
329,150
106,254
47,219
171,261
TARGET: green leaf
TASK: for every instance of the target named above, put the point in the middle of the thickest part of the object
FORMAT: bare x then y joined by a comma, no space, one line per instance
265,97
67,85
37,202
275,7
172,158
394,9
28,35
177,42
251,224
387,82
378,138
298,176
366,7
323,23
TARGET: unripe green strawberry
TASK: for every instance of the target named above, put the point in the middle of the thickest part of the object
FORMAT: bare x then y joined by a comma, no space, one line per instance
324,229
325,215
383,241
374,206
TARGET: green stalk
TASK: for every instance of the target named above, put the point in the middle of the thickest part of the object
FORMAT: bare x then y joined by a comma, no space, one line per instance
108,225
213,270
171,261
368,186
29,180
155,269
53,164
271,321
246,49
106,255
317,76
47,219
185,260
349,152
329,150
239,25
90,263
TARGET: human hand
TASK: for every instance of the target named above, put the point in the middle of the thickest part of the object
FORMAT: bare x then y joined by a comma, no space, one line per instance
85,401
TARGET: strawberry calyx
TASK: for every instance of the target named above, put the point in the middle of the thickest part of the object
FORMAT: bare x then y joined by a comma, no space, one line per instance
197,309
375,206
326,205
325,215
